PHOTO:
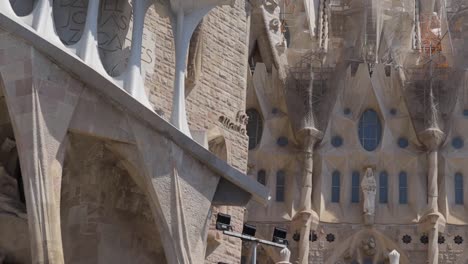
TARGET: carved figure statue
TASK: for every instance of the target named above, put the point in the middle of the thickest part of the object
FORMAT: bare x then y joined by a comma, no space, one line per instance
369,246
394,257
369,189
285,255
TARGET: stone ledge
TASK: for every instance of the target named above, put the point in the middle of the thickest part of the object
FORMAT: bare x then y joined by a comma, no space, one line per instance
122,100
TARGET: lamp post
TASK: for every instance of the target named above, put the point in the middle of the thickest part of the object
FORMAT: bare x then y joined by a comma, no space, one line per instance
248,234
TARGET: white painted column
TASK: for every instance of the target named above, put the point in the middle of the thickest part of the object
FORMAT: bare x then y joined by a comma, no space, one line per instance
43,21
88,49
433,246
185,26
134,81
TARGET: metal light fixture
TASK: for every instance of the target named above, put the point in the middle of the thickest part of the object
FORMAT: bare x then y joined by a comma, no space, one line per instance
279,236
249,230
223,222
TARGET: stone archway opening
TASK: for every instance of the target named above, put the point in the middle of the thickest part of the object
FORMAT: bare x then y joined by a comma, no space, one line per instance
105,215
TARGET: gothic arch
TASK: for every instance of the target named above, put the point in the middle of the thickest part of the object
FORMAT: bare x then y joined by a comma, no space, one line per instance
368,243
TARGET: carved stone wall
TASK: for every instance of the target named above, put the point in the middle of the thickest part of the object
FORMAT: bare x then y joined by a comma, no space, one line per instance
105,216
220,92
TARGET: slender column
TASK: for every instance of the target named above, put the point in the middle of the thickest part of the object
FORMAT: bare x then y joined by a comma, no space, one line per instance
134,83
179,114
43,21
432,187
433,246
306,215
185,26
432,221
88,45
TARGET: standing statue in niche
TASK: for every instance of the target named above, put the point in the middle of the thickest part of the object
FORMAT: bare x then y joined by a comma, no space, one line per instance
369,189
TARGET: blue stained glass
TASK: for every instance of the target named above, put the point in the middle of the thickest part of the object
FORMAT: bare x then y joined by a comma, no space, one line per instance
261,177
355,182
337,141
280,185
254,128
370,130
457,143
403,142
335,187
459,188
282,141
383,187
403,187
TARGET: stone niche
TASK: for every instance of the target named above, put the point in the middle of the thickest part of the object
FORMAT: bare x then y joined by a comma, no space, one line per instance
105,216
14,236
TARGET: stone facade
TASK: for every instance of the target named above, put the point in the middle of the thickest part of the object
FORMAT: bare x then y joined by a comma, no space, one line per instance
358,112
108,168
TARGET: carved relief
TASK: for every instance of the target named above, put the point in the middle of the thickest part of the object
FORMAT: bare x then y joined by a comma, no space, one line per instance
238,125
194,62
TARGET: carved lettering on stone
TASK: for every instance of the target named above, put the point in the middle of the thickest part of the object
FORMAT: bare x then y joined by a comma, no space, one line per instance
238,125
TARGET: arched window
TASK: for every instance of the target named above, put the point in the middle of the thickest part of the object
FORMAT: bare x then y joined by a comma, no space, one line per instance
355,181
335,188
261,177
280,185
254,128
370,130
383,187
459,188
403,187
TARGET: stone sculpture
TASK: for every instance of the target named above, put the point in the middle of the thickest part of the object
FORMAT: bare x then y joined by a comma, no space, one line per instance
285,255
394,257
369,189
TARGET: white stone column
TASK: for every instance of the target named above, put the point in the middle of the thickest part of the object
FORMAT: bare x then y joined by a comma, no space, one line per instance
87,47
43,21
134,80
185,26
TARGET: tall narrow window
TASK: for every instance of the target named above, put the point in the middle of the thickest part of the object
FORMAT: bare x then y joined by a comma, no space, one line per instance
280,184
403,187
261,177
254,128
355,181
459,188
370,130
383,187
335,187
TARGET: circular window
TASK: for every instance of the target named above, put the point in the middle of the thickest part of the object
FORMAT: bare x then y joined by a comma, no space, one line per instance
282,141
465,112
393,111
403,142
370,130
337,141
254,128
347,111
457,143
